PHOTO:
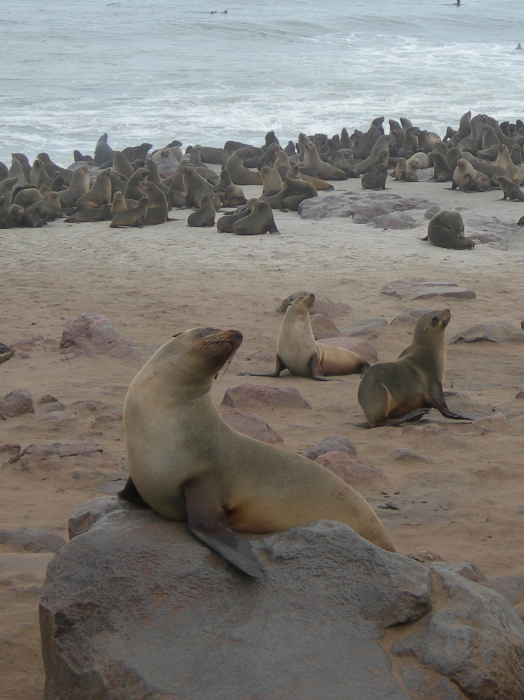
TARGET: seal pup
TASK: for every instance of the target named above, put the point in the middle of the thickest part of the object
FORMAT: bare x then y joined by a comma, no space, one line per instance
510,189
402,173
187,464
6,353
392,393
301,354
375,179
446,230
205,215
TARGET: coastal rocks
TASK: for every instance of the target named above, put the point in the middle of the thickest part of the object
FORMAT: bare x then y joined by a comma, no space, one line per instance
135,603
323,327
17,403
91,334
421,288
250,424
332,443
30,539
254,396
496,332
373,207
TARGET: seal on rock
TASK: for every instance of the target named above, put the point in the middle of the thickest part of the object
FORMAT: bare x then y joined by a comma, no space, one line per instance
187,464
446,230
301,354
392,393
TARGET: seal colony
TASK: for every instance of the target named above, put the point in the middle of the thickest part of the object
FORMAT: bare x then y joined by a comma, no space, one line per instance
186,463
473,158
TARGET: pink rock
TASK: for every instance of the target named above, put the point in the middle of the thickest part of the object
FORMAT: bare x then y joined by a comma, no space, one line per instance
403,454
348,469
250,424
362,347
93,334
323,327
16,403
333,443
255,396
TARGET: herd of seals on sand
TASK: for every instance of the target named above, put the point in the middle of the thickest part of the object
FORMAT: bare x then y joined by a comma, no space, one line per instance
184,461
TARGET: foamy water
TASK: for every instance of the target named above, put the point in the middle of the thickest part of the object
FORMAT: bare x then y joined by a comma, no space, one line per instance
154,70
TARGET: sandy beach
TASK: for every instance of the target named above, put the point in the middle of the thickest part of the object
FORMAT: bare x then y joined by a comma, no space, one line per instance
465,502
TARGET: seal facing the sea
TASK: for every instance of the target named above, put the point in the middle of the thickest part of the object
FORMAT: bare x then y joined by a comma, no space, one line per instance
301,354
186,463
446,230
392,393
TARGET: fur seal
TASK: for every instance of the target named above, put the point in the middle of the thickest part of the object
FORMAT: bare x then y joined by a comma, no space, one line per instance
467,179
301,354
504,161
446,230
6,353
100,192
131,217
392,393
375,179
225,223
259,220
157,207
80,184
205,215
510,189
241,175
403,173
195,187
134,188
187,464
321,169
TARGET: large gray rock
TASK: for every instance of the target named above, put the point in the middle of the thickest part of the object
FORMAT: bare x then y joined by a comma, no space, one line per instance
495,332
133,608
420,288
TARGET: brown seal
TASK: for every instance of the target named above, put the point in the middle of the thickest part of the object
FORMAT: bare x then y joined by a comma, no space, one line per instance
134,188
391,393
131,217
403,173
205,215
375,179
271,180
510,189
12,216
38,175
195,187
321,169
446,230
100,192
225,223
157,207
301,354
27,196
467,179
259,220
235,167
187,464
504,161
80,184
6,353
119,202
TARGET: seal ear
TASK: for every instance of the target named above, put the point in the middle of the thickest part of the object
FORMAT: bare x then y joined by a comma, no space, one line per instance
177,334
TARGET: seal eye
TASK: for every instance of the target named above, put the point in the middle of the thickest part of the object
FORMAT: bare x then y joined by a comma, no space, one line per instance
434,320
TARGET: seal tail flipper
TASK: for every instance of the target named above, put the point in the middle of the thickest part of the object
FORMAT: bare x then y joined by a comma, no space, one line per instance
207,521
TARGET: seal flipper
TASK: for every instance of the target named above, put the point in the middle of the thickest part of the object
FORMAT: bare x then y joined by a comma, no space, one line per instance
439,402
314,369
207,521
279,368
130,493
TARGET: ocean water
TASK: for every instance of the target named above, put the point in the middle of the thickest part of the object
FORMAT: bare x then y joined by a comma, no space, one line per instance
158,70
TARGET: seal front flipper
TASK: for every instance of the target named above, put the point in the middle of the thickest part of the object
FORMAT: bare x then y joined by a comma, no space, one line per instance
207,521
130,493
410,417
314,369
278,369
439,402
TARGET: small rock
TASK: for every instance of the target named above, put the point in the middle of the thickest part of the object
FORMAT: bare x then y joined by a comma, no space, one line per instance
91,334
496,332
46,398
250,424
402,453
53,406
17,403
368,325
30,539
332,443
255,396
323,327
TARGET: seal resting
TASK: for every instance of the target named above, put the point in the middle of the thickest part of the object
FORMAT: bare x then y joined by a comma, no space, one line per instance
392,393
446,230
301,354
186,463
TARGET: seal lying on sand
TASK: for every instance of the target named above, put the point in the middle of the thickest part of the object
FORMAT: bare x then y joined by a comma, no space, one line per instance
392,393
186,463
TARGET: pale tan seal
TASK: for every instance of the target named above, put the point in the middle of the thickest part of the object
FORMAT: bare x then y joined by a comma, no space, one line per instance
100,192
301,354
186,463
80,184
392,393
467,179
402,173
504,161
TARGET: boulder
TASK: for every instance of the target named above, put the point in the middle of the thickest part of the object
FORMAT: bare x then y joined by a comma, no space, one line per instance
136,608
496,332
420,288
17,403
91,334
254,396
250,424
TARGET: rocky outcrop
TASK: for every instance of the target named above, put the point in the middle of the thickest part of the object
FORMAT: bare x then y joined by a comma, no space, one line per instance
134,608
420,288
91,334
